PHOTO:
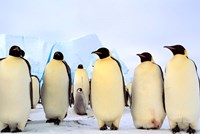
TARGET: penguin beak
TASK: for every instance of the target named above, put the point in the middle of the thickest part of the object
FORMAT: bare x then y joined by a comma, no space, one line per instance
140,55
96,52
169,47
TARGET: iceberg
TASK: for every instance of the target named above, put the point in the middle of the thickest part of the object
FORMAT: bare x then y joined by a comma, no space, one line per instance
39,52
36,50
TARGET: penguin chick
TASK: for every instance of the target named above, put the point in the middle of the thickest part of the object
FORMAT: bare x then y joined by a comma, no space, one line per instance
80,103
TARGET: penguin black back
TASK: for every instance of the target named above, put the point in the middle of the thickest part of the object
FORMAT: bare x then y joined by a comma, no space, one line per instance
70,81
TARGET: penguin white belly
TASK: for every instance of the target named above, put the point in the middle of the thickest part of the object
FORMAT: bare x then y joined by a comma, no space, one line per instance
36,91
55,91
107,90
182,92
14,91
81,80
147,104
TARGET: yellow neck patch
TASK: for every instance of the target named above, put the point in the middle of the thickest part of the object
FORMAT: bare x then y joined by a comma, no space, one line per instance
152,60
185,53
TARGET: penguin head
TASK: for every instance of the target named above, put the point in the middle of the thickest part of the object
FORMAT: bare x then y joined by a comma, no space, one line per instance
79,90
22,53
58,56
80,66
177,49
102,52
15,51
145,57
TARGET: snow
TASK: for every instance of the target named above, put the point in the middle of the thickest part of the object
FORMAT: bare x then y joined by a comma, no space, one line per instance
76,124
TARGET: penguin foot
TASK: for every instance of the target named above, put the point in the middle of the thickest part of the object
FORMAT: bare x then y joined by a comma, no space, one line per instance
154,128
50,120
56,122
7,129
82,113
126,105
176,129
17,130
104,127
191,130
113,127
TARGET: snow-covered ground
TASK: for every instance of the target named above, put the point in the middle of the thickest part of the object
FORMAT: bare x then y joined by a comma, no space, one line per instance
75,124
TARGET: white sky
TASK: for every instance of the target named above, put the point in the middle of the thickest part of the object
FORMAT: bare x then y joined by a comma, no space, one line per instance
129,26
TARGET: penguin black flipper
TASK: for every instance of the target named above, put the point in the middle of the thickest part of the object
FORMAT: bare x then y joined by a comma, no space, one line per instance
196,72
126,99
31,89
90,93
163,94
72,98
124,87
2,59
70,81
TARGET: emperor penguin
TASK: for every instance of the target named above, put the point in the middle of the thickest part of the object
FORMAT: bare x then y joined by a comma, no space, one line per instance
15,84
36,90
56,89
182,91
81,80
147,106
107,90
80,106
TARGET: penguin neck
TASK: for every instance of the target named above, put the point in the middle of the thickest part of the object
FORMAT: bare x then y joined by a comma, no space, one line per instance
180,56
56,60
12,57
105,58
145,64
